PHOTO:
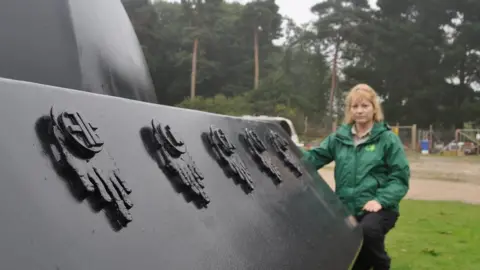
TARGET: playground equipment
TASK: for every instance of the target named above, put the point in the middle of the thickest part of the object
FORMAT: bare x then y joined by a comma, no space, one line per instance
463,142
469,139
408,135
94,177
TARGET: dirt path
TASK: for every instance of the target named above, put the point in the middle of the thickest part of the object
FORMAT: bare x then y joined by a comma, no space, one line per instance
429,189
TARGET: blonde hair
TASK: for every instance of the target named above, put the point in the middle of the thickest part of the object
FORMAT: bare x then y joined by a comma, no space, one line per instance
363,91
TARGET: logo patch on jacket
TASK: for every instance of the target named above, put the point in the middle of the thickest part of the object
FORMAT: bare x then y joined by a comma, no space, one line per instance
370,147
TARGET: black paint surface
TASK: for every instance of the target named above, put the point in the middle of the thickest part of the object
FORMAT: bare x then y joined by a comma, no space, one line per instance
297,224
87,45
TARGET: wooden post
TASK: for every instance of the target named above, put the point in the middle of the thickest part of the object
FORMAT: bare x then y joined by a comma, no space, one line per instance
255,50
305,125
334,84
430,138
396,129
193,81
414,137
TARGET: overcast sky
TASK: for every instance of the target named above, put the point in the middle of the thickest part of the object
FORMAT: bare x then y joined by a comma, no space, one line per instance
298,10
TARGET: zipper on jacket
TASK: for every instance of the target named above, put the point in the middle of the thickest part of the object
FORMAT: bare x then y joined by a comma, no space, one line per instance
354,198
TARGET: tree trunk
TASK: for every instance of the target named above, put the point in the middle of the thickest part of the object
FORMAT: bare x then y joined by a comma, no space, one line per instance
194,69
461,92
255,49
334,83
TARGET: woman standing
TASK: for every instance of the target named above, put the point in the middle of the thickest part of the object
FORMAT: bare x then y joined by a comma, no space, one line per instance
371,172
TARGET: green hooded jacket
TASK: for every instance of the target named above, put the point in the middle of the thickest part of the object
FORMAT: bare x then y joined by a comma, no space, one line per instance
376,169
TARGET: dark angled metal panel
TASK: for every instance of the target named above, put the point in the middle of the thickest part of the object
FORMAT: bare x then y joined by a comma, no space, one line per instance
296,224
38,43
86,45
111,59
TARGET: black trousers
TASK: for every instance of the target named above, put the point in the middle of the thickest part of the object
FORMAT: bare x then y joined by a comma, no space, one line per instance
375,226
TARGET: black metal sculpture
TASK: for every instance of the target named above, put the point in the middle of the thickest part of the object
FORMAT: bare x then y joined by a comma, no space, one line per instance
259,152
280,145
176,160
225,153
80,149
56,52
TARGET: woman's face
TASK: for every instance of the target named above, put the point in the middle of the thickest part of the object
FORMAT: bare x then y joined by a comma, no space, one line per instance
362,111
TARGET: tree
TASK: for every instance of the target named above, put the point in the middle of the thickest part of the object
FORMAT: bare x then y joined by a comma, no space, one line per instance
261,17
338,21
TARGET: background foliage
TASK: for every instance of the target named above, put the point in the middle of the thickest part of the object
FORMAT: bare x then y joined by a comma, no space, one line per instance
420,55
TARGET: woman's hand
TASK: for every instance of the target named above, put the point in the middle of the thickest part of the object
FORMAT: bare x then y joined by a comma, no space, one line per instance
372,206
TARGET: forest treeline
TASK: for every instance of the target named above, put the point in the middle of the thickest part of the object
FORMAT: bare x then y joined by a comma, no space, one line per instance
422,57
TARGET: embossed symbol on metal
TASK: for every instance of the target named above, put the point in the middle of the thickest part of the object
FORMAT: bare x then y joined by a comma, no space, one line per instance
225,153
259,152
80,149
280,146
176,160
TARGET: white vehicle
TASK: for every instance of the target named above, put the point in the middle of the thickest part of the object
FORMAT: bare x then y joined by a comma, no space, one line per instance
285,123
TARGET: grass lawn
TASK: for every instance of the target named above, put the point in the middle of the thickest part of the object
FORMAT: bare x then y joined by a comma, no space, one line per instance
435,235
